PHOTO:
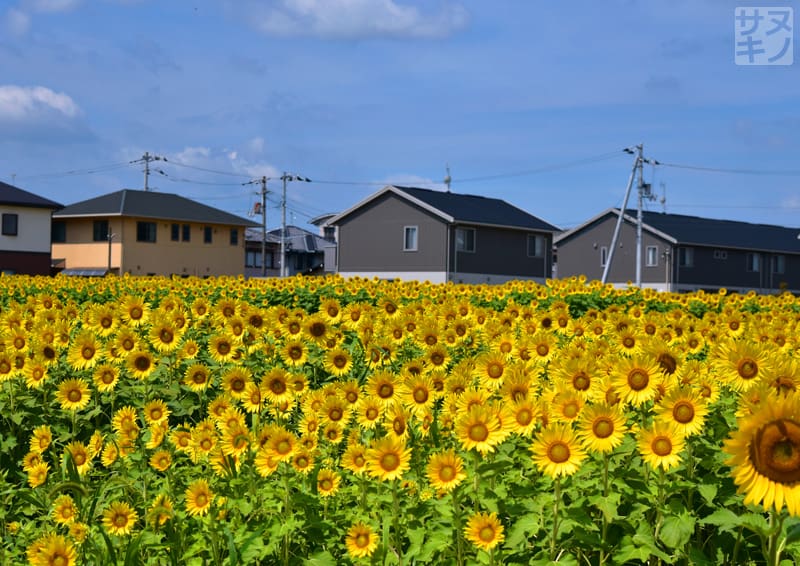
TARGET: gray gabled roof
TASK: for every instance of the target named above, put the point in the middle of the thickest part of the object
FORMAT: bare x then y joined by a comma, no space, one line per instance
681,229
462,209
297,239
11,195
149,204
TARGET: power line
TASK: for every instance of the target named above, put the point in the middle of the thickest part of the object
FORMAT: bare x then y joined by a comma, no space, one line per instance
785,173
88,171
178,163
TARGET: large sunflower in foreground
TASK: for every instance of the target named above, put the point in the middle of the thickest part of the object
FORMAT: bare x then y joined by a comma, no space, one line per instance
52,549
445,470
661,445
557,452
636,379
741,363
601,427
388,458
765,455
484,530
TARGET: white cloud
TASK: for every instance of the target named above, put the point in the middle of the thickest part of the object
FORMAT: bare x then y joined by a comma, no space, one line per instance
354,19
256,145
17,22
19,103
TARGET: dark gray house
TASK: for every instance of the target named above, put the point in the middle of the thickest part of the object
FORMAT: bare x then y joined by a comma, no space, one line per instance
421,234
305,252
684,253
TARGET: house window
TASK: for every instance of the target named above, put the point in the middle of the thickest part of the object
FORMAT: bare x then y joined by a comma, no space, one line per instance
58,233
651,256
100,230
721,254
186,232
175,232
207,234
686,257
234,237
603,256
409,238
465,239
252,258
270,257
753,262
329,233
536,243
145,231
10,221
778,264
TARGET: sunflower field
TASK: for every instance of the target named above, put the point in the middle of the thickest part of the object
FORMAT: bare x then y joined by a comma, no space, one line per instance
324,421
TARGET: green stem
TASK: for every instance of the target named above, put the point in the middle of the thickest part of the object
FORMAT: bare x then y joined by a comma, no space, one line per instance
604,526
398,537
457,525
476,478
774,542
287,510
556,500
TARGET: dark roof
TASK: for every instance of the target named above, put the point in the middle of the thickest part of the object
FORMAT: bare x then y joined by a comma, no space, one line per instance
473,209
12,195
723,233
149,204
297,239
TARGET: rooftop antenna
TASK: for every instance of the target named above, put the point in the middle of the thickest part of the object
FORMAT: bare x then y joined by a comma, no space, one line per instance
663,199
447,178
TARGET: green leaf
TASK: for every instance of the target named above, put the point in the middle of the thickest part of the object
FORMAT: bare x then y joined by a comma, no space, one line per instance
607,505
676,530
321,559
723,518
756,523
793,533
522,529
707,492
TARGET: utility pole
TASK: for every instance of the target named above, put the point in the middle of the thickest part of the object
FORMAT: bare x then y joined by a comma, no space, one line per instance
147,158
286,177
447,179
263,226
640,159
615,237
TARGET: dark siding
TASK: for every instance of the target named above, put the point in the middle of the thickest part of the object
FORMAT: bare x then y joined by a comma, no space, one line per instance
371,238
502,252
712,272
28,263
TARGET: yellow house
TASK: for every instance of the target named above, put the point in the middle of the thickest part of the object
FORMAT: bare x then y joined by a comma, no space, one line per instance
148,233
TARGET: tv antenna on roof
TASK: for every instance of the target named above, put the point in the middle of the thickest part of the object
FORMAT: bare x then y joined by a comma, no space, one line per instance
447,178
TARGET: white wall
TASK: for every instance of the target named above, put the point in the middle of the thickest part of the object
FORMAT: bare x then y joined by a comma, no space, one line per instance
33,230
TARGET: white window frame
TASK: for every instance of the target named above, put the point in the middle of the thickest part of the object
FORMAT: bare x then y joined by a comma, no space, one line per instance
651,256
463,244
753,262
603,256
410,233
539,243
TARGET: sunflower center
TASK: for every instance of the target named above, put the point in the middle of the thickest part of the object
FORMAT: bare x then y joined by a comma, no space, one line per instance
437,359
747,368
165,336
542,349
339,361
733,325
335,414
775,451
87,352
558,452
420,395
325,484
571,410
667,363
638,379
277,386
524,417
494,370
662,446
359,461
79,458
223,348
296,352
199,377
120,520
142,363
201,500
135,313
317,329
74,395
486,534
581,381
385,391
603,427
478,432
398,426
49,353
629,342
390,462
447,473
237,384
683,412
155,414
362,540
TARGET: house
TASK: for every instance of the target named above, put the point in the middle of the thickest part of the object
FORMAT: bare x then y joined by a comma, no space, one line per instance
684,253
148,233
422,234
24,231
331,235
304,252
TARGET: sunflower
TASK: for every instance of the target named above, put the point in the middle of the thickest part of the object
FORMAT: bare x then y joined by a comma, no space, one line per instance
368,411
198,498
294,353
105,377
397,422
601,427
252,401
160,511
80,455
85,351
383,386
52,549
684,407
134,310
235,381
338,362
140,364
556,451
478,428
661,444
124,419
37,474
78,531
35,372
741,363
64,510
524,415
41,438
565,406
73,394
327,482
156,411
578,375
360,540
354,458
636,379
417,394
484,530
221,348
125,342
164,334
200,308
445,470
303,461
161,460
197,377
388,458
275,386
119,518
542,346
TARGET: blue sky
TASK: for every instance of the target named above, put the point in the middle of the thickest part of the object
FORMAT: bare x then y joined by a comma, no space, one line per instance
526,100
